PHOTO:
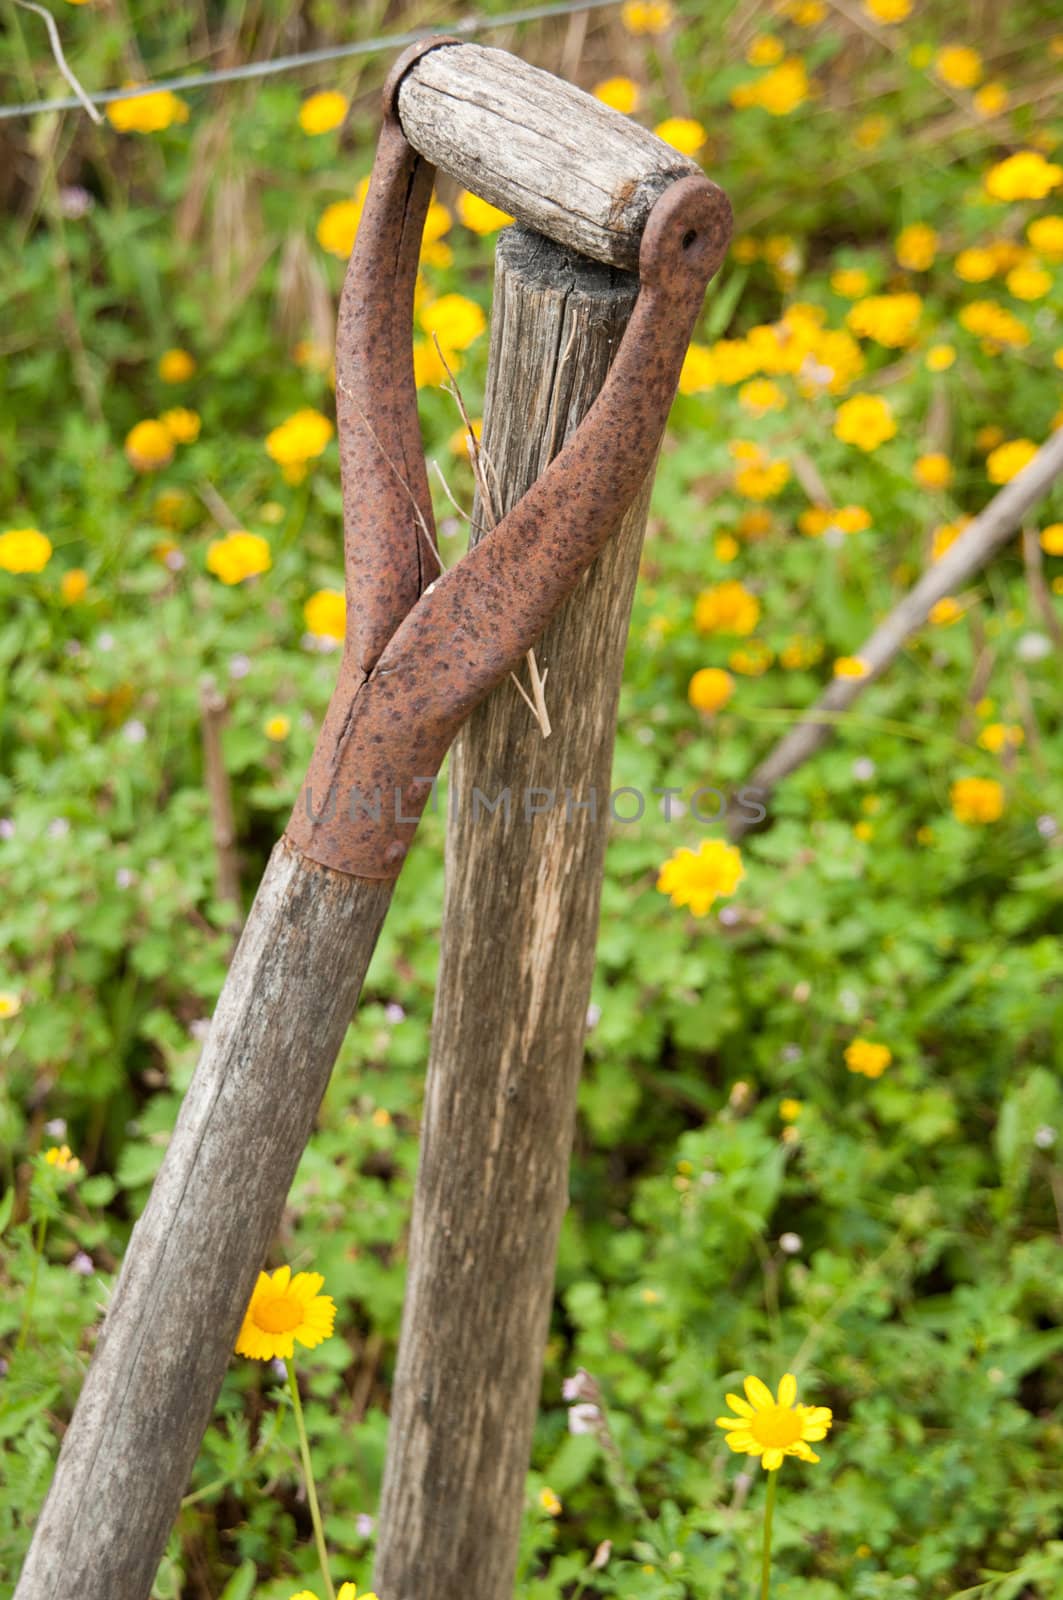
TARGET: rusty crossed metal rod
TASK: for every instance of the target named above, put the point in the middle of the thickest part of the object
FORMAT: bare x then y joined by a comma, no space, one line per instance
422,650
419,657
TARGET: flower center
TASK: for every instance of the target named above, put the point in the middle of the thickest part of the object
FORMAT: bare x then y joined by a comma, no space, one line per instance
776,1428
279,1315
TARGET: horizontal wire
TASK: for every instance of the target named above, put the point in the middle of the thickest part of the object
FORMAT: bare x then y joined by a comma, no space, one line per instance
309,58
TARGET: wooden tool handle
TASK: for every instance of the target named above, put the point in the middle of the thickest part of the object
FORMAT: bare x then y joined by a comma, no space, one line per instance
539,148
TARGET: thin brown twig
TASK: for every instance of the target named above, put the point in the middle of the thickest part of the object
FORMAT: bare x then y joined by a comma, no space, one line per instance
222,513
1035,579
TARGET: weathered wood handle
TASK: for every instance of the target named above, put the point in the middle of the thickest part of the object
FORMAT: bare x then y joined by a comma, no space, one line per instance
544,151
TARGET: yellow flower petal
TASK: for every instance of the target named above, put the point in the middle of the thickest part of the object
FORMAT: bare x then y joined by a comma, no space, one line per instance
759,1394
787,1389
737,1404
772,1460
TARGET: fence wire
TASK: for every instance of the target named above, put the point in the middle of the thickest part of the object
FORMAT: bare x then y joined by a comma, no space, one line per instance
309,58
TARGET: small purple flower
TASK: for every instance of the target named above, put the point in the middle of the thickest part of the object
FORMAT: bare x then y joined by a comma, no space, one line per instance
277,1367
1047,827
134,731
82,1264
174,560
72,648
105,641
1033,647
790,1243
320,643
730,915
792,1053
863,769
364,1525
58,828
594,1015
75,202
7,828
579,1386
199,1029
393,1013
583,1419
816,372
1045,1137
125,878
56,1129
239,666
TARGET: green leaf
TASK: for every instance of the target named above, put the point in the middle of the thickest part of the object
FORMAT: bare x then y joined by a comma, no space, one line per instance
1035,1103
14,1417
242,1583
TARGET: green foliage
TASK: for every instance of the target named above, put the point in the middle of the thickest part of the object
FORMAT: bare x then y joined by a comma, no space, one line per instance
894,1241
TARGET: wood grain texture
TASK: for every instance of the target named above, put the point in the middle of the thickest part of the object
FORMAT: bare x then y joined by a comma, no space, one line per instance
551,155
194,1254
519,931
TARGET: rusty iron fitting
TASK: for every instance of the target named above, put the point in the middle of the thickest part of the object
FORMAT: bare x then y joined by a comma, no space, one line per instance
424,647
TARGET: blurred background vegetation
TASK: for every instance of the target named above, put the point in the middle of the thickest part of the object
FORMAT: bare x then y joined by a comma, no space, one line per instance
747,1195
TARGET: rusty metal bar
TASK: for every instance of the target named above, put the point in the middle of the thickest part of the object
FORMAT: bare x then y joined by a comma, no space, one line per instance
401,697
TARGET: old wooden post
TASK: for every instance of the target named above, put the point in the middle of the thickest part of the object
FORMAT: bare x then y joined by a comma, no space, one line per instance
519,929
421,653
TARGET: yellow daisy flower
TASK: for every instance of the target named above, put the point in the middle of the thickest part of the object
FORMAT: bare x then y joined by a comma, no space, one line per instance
323,111
868,1059
774,1428
24,550
284,1309
696,878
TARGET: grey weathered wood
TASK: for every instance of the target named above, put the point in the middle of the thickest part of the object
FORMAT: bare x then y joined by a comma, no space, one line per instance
548,153
194,1254
519,929
991,529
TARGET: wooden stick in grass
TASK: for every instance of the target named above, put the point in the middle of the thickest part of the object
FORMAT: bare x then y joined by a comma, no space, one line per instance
974,548
519,929
212,1214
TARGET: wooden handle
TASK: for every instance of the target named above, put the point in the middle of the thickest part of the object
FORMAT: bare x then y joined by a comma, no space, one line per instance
195,1253
544,151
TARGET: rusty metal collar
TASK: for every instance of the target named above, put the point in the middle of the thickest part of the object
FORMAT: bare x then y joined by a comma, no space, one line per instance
422,650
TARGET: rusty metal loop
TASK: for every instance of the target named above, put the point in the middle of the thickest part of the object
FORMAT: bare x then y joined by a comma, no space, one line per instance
422,651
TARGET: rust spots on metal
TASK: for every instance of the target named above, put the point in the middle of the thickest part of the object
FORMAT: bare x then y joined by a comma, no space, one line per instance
424,647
